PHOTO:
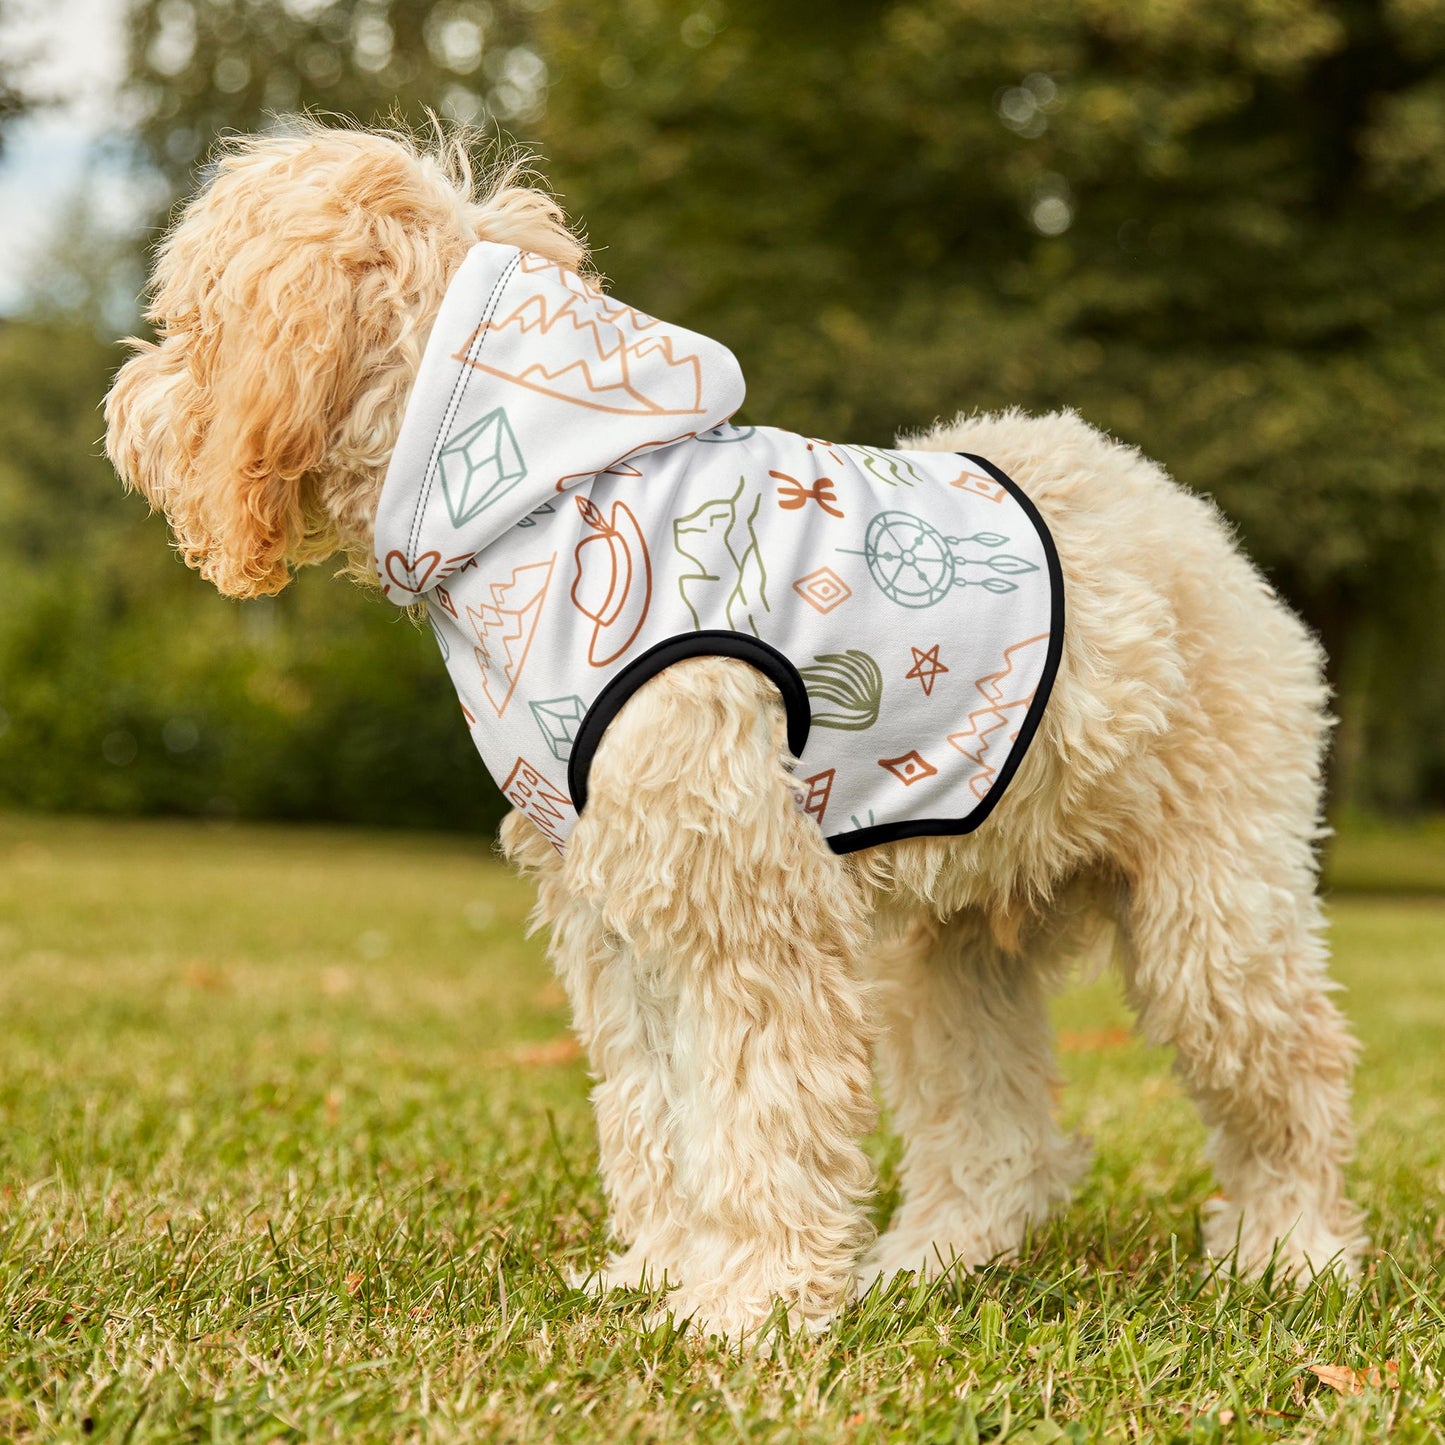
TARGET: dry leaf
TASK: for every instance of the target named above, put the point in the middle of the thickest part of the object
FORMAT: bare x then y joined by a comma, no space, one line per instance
555,1051
202,975
1095,1042
354,1283
335,982
551,995
1347,1381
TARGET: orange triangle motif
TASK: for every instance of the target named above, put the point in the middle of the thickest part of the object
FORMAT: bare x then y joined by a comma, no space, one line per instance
506,626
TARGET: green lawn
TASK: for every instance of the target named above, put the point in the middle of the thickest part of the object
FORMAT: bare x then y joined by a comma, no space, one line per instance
292,1146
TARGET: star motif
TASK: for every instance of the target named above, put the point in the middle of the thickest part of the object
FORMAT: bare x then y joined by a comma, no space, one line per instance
912,767
926,668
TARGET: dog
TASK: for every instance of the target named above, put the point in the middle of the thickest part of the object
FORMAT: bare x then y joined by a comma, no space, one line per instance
735,967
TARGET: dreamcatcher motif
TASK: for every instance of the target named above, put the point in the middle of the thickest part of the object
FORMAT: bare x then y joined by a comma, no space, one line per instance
915,565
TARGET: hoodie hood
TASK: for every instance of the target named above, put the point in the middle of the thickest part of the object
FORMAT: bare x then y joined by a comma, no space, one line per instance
533,382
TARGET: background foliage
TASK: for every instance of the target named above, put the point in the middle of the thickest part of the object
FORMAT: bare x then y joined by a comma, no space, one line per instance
1216,229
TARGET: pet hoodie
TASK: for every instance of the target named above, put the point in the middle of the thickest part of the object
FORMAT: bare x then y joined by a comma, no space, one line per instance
570,498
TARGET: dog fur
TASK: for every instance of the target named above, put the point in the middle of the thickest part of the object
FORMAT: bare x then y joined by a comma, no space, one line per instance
730,977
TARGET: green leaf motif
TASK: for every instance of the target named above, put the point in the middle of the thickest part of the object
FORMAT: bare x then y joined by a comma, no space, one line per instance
1013,566
851,683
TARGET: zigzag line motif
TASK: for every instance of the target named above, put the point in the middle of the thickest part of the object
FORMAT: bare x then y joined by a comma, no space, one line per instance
984,723
532,264
606,382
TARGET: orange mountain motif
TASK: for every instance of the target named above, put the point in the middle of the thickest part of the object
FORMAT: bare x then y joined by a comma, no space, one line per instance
593,353
609,309
981,737
505,629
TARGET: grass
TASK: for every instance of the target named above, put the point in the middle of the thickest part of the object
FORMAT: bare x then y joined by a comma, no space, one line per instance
292,1147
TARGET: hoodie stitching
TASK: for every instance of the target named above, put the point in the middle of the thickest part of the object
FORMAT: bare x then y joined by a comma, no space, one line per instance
464,375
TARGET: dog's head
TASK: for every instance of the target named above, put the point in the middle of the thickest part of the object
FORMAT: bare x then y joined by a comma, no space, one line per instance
291,302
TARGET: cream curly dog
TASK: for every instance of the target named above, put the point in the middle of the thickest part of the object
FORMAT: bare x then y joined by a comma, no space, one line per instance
731,976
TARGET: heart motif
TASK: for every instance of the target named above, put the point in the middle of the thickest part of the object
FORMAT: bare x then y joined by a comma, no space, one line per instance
412,576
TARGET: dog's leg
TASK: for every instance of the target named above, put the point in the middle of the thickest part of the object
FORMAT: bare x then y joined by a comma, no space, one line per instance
743,928
1226,962
966,1059
625,1029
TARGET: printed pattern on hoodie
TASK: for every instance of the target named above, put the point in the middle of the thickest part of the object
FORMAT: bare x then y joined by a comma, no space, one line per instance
571,499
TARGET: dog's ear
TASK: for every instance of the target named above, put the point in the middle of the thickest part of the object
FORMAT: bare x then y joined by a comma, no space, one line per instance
292,300
222,421
287,301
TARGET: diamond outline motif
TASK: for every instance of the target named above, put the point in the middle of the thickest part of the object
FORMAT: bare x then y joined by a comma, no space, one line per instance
909,768
559,718
969,480
484,455
816,589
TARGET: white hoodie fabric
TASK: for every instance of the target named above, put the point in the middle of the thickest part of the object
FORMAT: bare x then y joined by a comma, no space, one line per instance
570,498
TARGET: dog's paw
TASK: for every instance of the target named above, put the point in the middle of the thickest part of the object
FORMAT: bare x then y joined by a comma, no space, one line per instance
966,1227
753,1324
900,1253
632,1270
1298,1245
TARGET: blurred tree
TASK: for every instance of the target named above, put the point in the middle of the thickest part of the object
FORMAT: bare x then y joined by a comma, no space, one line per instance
203,67
15,98
1217,229
127,685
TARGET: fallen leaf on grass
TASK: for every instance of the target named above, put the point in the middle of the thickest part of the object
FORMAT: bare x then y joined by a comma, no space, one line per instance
551,995
1346,1381
354,1283
335,982
202,975
1101,1039
532,1056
